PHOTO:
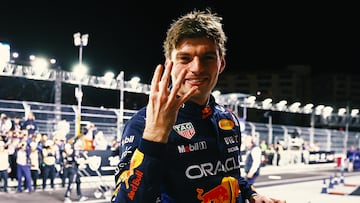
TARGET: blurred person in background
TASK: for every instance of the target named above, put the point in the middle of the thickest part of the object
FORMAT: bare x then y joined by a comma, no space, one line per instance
70,161
35,163
13,140
16,124
263,146
48,164
5,126
23,167
89,136
30,124
270,154
252,160
100,143
4,165
264,149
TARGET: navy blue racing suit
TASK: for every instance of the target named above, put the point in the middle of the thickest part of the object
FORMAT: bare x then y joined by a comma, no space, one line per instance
200,162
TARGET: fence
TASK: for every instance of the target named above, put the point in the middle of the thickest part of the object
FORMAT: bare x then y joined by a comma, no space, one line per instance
327,139
107,121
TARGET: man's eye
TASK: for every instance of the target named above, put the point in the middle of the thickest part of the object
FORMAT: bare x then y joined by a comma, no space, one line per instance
184,59
209,57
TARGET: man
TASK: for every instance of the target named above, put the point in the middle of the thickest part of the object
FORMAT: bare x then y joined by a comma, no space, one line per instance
23,167
253,159
4,165
70,158
48,165
30,124
35,163
5,126
184,147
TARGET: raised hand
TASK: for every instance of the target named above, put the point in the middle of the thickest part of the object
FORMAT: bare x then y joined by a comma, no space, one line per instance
164,103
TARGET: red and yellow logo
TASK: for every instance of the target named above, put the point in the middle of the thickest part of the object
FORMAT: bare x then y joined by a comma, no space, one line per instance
136,160
227,192
226,124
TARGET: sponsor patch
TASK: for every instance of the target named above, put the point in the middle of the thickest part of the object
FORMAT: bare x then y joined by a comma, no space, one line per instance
206,112
226,124
227,192
129,139
197,146
135,162
186,130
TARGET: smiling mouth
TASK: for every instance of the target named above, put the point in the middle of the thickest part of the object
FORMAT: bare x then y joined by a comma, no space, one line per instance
195,81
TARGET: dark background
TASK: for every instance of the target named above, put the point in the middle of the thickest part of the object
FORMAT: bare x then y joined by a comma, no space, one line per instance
128,35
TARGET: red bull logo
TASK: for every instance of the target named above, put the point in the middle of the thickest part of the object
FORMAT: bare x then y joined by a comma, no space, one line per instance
227,192
135,184
218,194
136,160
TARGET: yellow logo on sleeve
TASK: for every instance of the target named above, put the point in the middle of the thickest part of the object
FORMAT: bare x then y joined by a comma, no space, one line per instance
226,124
136,160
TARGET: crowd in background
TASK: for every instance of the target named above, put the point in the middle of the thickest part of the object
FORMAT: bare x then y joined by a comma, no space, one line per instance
27,155
298,151
257,153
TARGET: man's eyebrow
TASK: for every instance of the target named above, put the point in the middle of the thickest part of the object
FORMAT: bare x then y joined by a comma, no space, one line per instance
205,53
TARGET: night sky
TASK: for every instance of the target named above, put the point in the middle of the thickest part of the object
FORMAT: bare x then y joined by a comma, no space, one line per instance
128,35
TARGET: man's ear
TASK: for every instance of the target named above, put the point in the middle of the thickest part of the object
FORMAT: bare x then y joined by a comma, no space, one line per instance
222,66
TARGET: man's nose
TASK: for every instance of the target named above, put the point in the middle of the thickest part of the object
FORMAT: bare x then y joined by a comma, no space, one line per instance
195,66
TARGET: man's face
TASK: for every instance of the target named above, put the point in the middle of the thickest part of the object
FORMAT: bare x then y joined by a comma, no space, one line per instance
200,57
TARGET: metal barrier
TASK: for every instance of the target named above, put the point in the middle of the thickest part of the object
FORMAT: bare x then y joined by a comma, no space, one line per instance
327,139
107,121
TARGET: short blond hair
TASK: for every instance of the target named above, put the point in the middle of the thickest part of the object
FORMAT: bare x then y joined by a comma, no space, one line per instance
195,24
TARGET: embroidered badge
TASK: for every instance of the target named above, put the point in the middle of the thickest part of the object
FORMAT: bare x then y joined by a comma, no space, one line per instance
186,130
206,112
226,124
227,192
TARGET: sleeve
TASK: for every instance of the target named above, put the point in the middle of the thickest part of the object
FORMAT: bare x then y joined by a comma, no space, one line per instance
138,175
246,190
